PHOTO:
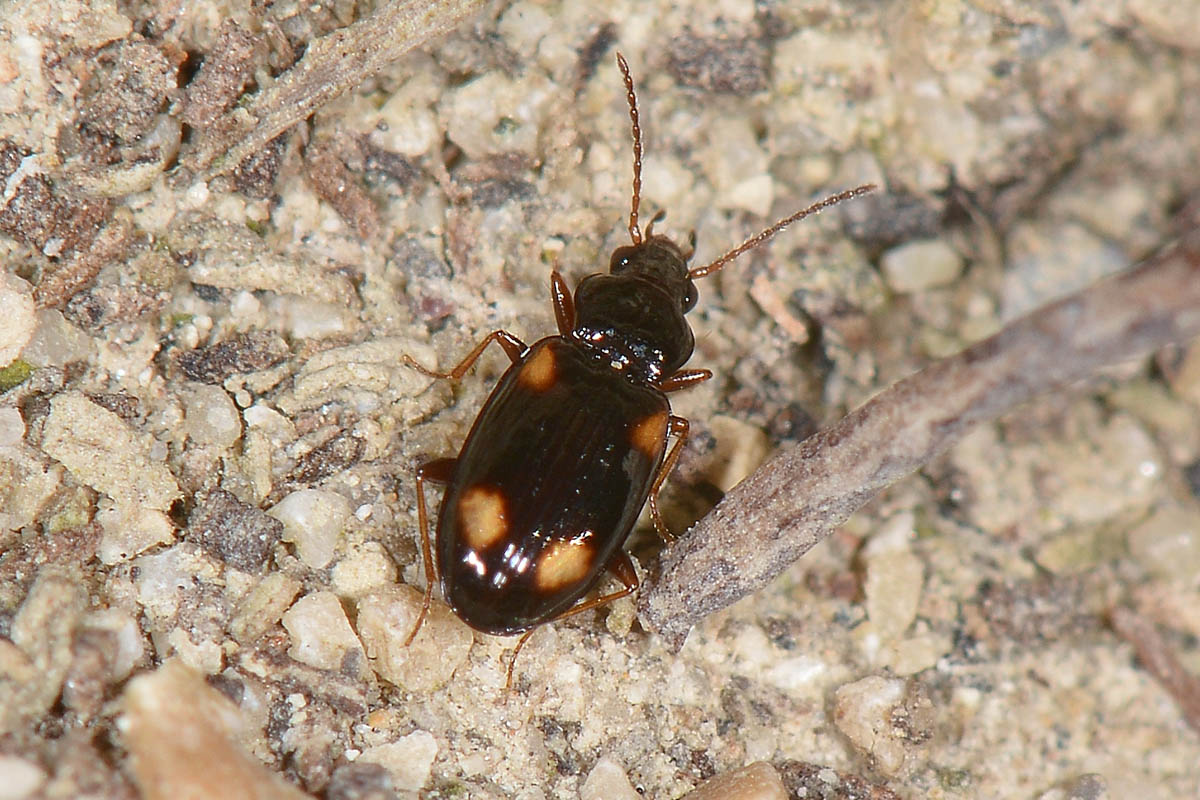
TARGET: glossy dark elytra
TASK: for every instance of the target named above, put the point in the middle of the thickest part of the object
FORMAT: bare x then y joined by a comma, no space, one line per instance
573,440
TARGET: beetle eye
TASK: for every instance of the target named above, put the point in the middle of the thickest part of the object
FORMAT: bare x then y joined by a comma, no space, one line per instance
620,260
689,297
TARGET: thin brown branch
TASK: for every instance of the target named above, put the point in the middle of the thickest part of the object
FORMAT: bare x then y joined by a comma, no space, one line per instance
807,490
331,65
1157,658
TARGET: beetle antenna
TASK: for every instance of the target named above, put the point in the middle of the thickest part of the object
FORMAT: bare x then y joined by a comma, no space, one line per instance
635,232
756,240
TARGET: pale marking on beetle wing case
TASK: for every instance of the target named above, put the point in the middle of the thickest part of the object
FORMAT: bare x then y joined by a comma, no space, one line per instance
649,434
540,372
483,516
563,563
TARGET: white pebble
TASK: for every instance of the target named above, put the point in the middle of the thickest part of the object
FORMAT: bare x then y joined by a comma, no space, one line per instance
607,781
19,317
321,634
56,342
863,713
19,778
210,417
312,521
385,620
130,645
409,760
363,570
12,426
920,265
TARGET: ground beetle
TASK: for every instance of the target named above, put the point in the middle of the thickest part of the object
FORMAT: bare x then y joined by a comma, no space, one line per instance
573,440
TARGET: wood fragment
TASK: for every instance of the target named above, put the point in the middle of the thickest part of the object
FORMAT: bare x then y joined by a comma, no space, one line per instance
332,65
1156,656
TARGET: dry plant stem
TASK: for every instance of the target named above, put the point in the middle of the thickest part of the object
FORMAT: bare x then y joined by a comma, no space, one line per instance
331,65
1156,657
807,490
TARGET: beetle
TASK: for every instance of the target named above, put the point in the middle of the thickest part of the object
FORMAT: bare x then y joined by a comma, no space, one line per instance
572,442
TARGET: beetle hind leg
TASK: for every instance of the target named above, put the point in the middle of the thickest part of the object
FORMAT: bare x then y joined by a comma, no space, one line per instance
622,569
440,470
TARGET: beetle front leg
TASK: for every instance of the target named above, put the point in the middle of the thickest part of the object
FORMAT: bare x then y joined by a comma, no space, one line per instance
440,470
683,379
513,347
564,304
677,427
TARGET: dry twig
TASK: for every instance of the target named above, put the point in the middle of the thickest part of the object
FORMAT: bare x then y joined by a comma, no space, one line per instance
1158,659
331,65
805,491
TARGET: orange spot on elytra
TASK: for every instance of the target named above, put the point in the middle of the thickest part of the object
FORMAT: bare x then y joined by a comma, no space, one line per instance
649,436
540,372
483,518
562,563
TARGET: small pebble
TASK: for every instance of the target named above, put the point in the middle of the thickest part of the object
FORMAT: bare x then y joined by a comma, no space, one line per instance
364,570
893,590
263,606
56,342
182,735
130,646
312,521
409,760
863,713
741,448
12,426
920,265
385,619
607,781
210,417
894,577
321,634
1168,543
20,318
19,778
757,781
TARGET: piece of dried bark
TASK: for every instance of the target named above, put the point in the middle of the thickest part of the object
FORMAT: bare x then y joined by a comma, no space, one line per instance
331,65
247,352
1159,661
335,185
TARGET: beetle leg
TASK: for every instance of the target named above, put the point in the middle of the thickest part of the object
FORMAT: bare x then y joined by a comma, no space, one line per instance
622,569
683,379
440,470
564,306
513,346
677,427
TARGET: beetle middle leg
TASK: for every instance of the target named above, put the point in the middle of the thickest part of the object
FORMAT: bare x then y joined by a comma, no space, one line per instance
677,427
513,347
622,569
440,470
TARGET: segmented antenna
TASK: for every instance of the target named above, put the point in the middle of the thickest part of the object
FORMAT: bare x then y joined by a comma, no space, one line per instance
635,232
755,241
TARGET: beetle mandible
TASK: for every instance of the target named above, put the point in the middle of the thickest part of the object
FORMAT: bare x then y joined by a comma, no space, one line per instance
572,442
